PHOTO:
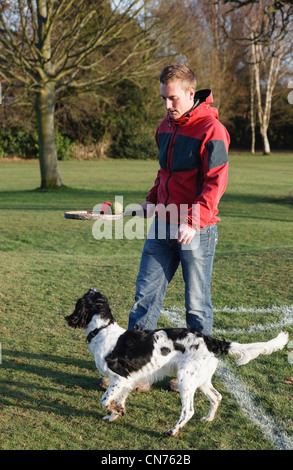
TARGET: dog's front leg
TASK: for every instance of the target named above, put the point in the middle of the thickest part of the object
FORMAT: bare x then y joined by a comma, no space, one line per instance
114,399
112,417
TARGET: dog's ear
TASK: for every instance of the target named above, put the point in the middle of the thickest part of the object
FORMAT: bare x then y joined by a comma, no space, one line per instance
99,305
92,303
80,316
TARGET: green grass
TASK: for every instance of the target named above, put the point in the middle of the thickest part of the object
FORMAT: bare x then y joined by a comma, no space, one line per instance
49,394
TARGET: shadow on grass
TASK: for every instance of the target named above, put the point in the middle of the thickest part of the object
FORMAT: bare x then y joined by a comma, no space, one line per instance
252,205
30,394
44,395
99,195
256,199
63,200
25,362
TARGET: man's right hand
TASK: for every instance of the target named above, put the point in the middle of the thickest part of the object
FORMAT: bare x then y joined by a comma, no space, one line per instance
148,209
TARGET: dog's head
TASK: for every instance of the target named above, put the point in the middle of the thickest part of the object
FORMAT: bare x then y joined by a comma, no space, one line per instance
92,303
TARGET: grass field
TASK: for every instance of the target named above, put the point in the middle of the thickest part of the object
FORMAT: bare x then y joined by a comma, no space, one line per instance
49,395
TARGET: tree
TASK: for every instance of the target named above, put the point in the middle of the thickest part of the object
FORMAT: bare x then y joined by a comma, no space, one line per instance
49,46
269,59
267,36
276,14
213,56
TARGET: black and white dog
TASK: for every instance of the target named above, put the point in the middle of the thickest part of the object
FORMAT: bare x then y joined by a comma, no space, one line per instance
128,357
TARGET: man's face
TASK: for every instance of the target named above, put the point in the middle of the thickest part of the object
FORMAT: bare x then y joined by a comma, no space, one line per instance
177,101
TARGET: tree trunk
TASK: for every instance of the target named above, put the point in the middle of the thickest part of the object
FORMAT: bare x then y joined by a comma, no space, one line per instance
266,143
45,107
45,104
252,114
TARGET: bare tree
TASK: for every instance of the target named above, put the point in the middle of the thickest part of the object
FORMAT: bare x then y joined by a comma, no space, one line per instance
266,58
51,45
252,110
266,38
213,55
270,61
276,15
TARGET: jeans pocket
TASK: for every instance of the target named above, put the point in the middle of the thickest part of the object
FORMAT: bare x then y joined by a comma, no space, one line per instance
209,240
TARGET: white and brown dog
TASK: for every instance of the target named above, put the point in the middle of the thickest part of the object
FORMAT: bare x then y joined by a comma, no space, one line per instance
128,357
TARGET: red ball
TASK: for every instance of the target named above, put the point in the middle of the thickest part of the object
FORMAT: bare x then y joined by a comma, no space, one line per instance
106,207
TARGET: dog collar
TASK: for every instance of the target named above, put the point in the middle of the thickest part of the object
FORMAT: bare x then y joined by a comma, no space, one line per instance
95,332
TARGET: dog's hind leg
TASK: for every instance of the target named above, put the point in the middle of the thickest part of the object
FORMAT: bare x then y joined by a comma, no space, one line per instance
114,399
214,397
209,391
187,386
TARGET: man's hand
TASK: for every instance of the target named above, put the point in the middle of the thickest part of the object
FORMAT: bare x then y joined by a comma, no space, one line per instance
185,233
148,209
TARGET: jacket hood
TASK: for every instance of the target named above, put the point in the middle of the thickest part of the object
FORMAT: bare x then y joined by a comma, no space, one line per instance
200,109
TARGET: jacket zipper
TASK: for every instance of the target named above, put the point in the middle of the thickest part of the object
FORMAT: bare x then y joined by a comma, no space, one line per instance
169,163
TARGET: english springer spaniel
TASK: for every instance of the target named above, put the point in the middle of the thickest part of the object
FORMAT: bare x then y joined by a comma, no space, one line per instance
128,357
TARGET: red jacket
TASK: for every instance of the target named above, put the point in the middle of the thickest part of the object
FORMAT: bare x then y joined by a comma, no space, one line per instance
193,157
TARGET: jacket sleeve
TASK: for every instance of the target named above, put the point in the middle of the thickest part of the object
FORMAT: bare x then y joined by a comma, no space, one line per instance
214,157
152,195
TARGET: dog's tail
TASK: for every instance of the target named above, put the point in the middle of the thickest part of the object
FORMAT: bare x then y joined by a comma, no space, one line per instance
249,351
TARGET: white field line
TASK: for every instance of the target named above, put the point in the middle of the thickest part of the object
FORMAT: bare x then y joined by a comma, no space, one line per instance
245,399
286,312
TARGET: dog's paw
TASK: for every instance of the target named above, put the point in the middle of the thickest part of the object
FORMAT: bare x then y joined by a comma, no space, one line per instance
111,418
116,408
171,432
207,419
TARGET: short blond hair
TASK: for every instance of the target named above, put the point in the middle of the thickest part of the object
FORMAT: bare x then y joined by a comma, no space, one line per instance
170,73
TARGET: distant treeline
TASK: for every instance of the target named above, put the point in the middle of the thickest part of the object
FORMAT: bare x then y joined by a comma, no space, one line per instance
108,102
124,126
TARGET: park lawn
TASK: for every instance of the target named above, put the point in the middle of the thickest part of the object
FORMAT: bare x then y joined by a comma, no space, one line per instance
50,398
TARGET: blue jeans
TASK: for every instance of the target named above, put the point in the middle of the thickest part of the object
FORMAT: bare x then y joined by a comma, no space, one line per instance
159,262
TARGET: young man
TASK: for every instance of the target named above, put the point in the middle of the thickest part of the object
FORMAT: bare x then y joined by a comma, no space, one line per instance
193,156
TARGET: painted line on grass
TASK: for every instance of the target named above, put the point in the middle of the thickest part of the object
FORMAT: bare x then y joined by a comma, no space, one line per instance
285,311
235,386
246,401
176,316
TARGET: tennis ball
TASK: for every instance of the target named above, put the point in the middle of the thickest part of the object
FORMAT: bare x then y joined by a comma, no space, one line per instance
117,208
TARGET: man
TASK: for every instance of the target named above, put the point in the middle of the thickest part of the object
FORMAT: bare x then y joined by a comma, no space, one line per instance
193,156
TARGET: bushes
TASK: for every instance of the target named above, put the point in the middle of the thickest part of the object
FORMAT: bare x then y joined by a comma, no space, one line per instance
133,125
63,146
121,126
134,142
130,142
18,142
21,143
